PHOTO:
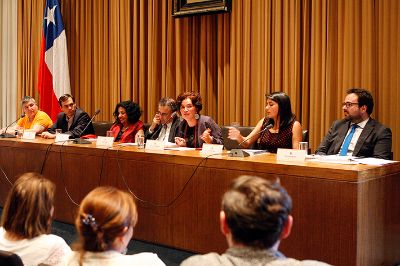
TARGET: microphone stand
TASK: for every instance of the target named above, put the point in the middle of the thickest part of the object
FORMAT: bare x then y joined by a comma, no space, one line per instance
80,140
9,135
241,152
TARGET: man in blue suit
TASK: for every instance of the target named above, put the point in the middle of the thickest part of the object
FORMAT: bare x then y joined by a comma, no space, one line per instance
357,134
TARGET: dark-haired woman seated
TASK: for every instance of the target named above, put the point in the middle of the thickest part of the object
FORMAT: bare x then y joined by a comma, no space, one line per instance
26,222
127,125
195,129
284,131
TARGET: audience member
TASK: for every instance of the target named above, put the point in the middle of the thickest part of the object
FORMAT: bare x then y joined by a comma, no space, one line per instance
165,122
26,222
357,134
255,217
105,223
72,120
279,129
195,129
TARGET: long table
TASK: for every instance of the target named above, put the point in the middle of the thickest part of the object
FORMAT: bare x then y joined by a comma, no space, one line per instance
343,214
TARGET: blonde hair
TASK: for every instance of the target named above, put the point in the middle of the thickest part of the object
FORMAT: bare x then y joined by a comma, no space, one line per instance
103,215
28,208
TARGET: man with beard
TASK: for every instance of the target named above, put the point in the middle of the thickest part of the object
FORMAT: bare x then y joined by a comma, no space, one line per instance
72,120
357,134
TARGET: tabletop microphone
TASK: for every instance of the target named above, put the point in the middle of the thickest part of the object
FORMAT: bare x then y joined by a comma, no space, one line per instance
8,135
265,129
80,140
163,125
241,152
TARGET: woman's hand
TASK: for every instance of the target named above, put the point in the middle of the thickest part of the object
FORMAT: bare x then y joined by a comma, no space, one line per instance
206,136
181,142
234,134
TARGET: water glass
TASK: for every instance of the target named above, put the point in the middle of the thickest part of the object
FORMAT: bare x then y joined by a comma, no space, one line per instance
303,146
140,142
110,133
20,133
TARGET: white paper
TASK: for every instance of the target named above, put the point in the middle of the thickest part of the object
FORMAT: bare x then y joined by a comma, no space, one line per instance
29,134
211,148
62,137
291,155
373,161
332,159
104,141
155,145
181,149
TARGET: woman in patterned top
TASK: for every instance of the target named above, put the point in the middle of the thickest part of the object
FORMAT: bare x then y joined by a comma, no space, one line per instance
278,129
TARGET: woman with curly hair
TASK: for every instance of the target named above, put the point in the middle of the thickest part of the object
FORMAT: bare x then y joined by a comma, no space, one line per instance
127,126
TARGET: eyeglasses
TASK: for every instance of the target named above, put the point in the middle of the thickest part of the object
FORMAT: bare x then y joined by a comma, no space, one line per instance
348,104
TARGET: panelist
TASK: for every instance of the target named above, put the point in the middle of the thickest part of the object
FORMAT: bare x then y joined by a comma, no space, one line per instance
72,120
127,126
279,129
357,134
26,222
105,224
255,217
34,119
165,122
195,129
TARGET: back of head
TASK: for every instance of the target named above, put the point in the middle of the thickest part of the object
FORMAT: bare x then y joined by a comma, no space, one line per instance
102,217
364,98
256,211
28,208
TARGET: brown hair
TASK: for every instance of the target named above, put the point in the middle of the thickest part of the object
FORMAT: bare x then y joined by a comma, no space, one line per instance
103,215
256,211
28,207
193,96
64,98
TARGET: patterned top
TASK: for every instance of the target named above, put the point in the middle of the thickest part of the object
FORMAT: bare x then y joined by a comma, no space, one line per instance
272,141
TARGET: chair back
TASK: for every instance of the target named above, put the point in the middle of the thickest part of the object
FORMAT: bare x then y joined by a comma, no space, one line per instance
9,258
230,144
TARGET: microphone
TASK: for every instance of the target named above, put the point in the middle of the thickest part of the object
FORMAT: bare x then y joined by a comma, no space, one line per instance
8,135
265,129
84,141
163,125
242,153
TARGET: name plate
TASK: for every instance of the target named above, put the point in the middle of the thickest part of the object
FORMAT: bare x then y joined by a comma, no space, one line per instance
155,145
62,137
104,142
211,148
29,134
291,155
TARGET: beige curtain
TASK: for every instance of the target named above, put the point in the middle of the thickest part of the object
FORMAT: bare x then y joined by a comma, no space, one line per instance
8,62
313,50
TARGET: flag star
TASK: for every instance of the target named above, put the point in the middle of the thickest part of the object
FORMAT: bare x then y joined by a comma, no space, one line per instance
50,15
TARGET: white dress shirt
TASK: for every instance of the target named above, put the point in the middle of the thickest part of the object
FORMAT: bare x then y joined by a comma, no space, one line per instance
356,136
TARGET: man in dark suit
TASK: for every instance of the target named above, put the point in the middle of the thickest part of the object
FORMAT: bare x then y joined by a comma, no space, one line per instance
165,122
357,134
71,120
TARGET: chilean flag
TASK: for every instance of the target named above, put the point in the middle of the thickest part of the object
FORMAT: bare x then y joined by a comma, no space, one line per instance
53,79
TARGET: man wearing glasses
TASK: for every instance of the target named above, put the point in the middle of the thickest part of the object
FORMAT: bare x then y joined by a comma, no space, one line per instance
165,122
357,134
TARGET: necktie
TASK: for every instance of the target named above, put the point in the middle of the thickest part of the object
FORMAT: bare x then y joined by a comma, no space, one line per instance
347,140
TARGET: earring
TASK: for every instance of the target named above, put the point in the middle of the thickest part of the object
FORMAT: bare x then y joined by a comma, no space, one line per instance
196,116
